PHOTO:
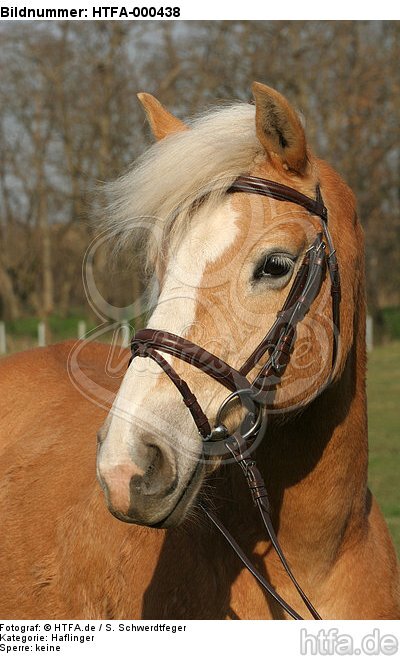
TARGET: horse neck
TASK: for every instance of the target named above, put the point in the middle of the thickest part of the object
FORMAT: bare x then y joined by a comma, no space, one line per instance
315,469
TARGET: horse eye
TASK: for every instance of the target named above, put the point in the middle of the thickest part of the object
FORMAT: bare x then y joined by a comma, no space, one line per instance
275,265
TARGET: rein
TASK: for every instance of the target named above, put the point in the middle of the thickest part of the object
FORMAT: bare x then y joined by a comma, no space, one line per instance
278,344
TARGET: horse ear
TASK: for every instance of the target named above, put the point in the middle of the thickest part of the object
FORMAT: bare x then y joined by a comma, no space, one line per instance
279,129
162,123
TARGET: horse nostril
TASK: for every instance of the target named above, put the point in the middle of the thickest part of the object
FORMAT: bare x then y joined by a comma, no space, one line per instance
159,477
142,481
155,458
144,484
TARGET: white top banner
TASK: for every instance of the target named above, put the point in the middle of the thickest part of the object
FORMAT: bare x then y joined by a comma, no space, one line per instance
192,10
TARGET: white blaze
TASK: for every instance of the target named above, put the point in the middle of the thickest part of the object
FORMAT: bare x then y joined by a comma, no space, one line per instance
205,241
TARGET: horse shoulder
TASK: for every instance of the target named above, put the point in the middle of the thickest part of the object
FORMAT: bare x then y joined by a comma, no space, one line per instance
48,476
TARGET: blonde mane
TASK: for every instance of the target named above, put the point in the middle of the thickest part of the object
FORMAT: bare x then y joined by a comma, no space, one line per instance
156,194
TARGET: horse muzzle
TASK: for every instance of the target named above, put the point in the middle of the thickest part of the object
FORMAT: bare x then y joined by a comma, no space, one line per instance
148,489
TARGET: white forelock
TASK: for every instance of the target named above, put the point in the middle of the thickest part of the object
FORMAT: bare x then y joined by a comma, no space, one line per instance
158,191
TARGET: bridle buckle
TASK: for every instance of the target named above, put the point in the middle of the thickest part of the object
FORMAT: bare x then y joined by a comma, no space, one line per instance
220,431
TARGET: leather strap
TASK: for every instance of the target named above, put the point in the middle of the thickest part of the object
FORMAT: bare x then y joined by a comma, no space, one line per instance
303,293
189,398
250,184
184,349
248,564
238,447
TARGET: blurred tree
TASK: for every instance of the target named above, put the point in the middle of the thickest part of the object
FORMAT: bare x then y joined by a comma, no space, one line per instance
69,119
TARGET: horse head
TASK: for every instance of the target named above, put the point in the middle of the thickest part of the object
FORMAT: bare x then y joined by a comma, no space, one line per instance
225,263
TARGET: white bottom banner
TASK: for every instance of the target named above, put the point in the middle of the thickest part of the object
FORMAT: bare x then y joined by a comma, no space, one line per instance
201,637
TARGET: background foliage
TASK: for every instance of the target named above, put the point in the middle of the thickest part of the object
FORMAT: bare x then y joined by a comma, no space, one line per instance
69,118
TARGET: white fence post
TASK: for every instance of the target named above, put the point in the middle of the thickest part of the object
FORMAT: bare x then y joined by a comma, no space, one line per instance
41,333
81,329
125,333
3,338
370,333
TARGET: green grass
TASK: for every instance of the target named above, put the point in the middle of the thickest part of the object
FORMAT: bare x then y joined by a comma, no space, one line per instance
384,432
391,322
23,333
60,327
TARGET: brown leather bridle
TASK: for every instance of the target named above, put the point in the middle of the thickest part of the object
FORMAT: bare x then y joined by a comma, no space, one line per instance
254,395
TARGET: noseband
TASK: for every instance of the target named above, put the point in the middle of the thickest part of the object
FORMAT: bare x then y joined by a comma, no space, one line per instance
255,395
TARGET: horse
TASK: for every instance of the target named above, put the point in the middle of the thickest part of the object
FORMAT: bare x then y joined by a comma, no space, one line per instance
117,529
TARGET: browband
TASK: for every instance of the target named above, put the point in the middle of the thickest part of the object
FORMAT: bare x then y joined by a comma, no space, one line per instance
250,184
